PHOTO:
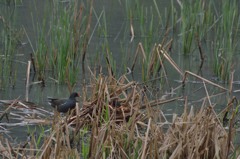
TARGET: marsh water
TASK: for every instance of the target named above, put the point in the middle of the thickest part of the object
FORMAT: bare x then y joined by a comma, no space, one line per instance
26,14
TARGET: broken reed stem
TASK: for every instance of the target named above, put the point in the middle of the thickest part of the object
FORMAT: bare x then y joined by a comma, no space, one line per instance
160,102
146,139
200,51
47,145
85,44
27,77
10,150
229,105
161,64
205,87
131,28
109,66
231,81
169,44
140,47
165,36
170,60
33,62
201,78
229,138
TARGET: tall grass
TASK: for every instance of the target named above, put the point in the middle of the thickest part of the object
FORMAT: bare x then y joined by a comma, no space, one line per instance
225,39
42,49
61,38
9,42
146,32
196,18
203,21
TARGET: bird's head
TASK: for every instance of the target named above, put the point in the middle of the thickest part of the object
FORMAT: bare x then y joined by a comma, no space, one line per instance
74,95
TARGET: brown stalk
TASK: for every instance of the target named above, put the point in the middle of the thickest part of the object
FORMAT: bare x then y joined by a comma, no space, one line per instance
102,137
66,135
10,150
201,78
207,95
229,106
76,29
161,64
27,81
110,70
8,108
200,51
230,134
159,102
139,48
131,29
33,62
146,139
70,87
131,125
87,36
231,81
154,59
46,146
170,60
166,33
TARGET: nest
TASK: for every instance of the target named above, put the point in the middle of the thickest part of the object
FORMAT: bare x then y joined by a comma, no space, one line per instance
118,119
113,100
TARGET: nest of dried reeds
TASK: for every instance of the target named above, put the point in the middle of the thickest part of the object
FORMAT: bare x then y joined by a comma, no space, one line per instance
125,124
118,120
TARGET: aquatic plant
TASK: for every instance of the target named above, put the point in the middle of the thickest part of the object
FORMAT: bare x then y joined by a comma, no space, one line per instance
196,18
9,42
225,40
61,38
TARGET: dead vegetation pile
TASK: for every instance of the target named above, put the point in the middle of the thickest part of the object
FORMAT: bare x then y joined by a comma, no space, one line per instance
118,120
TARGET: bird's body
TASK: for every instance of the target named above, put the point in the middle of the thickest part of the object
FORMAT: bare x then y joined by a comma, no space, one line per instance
64,105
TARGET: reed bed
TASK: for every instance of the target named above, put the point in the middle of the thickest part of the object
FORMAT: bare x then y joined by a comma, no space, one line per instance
62,40
9,44
225,41
119,120
64,36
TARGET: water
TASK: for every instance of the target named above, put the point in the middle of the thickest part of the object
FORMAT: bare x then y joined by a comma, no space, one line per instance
119,40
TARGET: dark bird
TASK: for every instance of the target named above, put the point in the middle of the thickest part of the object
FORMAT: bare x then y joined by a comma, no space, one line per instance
63,105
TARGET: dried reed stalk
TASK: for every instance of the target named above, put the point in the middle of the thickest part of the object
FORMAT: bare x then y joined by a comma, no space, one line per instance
27,81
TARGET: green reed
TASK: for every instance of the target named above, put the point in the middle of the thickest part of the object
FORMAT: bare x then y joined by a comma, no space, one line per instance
84,142
104,55
225,40
41,52
201,20
148,28
64,47
9,42
36,136
60,39
173,16
192,23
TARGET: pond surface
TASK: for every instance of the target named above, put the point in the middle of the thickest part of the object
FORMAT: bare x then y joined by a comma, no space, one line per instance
26,13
